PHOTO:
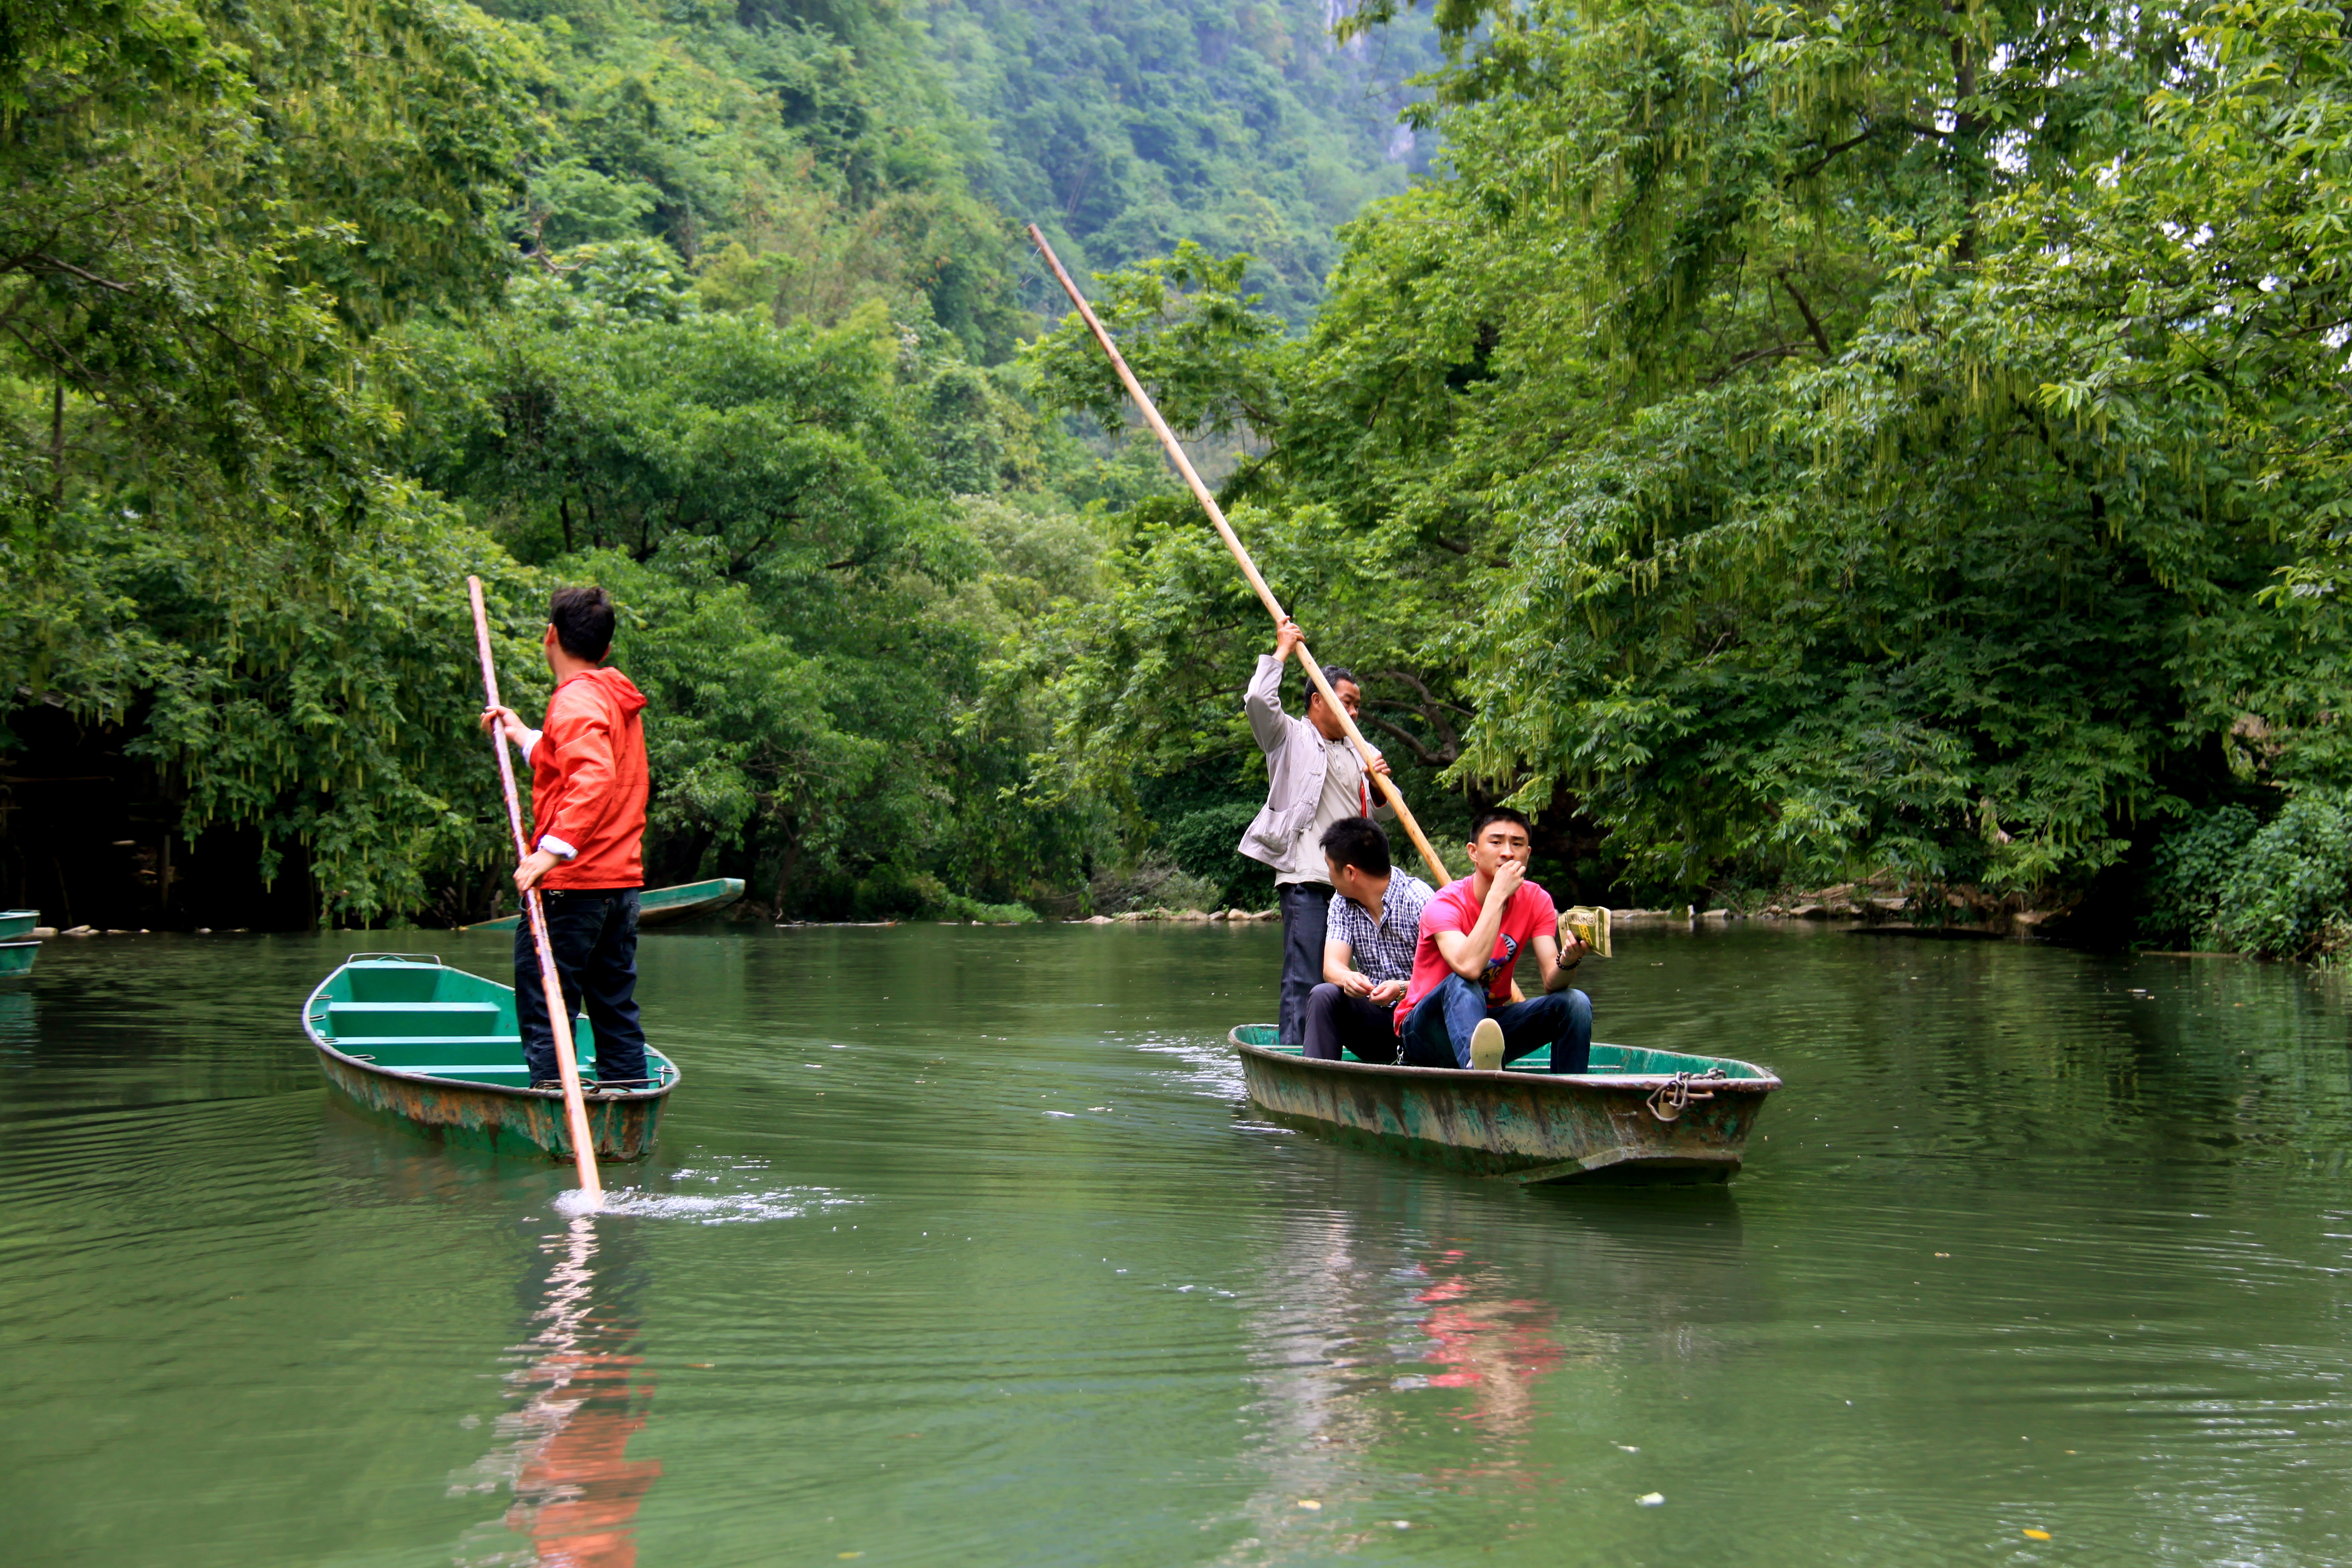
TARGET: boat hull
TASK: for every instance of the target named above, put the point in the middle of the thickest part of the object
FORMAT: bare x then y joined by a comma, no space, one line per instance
658,905
390,1030
494,1120
1521,1126
16,958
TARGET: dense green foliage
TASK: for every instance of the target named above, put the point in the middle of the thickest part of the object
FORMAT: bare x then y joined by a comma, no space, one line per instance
1780,442
1242,125
305,315
211,219
1809,440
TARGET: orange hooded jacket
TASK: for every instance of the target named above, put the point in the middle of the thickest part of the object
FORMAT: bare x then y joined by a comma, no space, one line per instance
588,781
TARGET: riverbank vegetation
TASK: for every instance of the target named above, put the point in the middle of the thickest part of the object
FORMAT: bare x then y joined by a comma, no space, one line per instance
1817,442
1784,444
308,316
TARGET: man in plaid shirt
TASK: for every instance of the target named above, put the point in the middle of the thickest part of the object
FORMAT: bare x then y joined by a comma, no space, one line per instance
1369,939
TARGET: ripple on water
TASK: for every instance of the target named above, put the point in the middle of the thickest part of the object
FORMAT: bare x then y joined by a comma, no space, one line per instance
703,1208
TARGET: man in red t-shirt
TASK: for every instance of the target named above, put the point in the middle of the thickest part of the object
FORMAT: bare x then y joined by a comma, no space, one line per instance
1457,1011
588,785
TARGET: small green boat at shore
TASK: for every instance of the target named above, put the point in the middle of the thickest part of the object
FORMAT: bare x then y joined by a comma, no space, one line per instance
410,1041
657,906
17,946
1638,1115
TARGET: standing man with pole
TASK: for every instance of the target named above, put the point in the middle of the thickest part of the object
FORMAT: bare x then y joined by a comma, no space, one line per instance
1314,778
588,787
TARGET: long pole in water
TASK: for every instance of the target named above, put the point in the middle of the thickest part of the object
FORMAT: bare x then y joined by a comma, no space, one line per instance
1233,542
559,1019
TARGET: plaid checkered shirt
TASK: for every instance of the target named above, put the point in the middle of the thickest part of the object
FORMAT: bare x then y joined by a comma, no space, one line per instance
1383,951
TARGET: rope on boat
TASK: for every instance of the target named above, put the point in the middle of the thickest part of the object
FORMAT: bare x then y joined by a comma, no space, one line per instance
1668,1101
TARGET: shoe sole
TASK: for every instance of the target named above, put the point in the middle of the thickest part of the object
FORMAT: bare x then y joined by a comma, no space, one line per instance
1486,1046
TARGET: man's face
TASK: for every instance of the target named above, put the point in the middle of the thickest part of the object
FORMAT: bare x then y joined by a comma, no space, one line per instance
1349,881
1497,842
1327,724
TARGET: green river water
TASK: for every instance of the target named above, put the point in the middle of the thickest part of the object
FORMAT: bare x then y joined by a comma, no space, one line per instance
962,1246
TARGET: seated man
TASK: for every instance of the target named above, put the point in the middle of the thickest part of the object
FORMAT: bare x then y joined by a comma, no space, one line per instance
1457,1012
1368,944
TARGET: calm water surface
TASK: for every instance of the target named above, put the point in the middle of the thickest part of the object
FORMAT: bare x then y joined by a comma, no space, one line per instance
962,1246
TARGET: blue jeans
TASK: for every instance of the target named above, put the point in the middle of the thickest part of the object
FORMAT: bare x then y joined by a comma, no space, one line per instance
595,934
1437,1031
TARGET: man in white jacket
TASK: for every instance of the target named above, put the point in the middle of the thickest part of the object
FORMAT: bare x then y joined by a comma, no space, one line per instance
1314,778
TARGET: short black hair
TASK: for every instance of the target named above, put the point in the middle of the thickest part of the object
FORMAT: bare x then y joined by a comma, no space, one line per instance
1335,673
1495,814
582,620
1358,841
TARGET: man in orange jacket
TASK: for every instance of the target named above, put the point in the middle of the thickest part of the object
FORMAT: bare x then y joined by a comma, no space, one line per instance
588,824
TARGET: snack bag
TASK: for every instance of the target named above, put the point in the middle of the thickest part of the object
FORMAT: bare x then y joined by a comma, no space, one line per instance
1587,925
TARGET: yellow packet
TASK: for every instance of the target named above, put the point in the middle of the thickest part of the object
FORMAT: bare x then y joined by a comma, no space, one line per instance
1588,925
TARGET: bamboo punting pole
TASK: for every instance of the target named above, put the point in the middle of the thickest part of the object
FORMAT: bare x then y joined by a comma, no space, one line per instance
558,1017
1249,568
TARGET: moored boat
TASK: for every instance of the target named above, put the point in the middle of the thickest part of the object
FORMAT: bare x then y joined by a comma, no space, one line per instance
1638,1114
17,947
411,1041
657,906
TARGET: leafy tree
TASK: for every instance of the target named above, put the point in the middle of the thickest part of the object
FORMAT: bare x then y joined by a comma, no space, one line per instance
1810,439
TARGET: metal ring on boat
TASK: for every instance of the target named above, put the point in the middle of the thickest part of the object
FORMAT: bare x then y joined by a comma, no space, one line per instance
1667,1100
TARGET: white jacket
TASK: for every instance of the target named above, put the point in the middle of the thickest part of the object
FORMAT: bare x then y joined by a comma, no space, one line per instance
1296,758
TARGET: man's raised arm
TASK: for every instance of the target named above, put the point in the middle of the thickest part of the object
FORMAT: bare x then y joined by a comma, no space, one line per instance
1262,700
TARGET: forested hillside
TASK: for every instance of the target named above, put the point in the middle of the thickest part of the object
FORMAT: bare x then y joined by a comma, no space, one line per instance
1784,445
308,315
1810,442
1125,130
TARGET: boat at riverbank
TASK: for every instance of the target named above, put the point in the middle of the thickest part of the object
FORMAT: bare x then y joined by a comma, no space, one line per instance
410,1041
1638,1115
657,906
17,946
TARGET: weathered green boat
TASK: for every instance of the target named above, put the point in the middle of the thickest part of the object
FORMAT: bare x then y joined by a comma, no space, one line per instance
18,950
1638,1115
410,1041
657,906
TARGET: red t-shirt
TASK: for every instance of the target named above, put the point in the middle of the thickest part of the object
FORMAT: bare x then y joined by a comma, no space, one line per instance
1529,915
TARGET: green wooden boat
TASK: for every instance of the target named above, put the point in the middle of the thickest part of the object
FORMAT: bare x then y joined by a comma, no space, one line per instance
411,1041
1638,1115
657,906
18,950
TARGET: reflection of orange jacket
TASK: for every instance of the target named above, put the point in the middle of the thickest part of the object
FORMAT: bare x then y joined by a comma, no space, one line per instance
588,781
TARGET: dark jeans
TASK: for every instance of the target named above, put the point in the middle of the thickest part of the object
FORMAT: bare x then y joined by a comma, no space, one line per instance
1337,1022
1437,1033
1304,907
595,934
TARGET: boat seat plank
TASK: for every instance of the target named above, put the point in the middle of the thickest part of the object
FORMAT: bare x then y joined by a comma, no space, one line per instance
399,1050
393,982
346,1020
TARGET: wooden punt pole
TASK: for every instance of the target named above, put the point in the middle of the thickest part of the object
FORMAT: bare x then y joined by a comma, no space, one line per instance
1241,556
558,1017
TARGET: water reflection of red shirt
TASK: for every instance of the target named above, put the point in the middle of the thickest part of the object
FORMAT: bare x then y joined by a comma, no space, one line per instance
588,1490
